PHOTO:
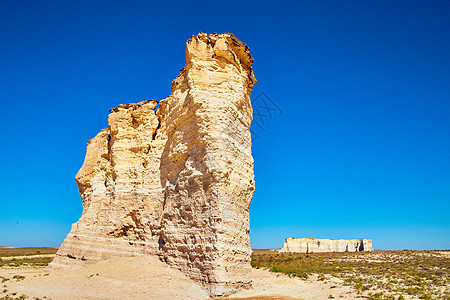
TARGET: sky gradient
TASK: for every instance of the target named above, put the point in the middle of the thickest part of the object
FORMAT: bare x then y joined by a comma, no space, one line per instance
357,146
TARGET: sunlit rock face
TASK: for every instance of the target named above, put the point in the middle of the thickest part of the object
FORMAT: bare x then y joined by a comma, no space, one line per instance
309,245
176,181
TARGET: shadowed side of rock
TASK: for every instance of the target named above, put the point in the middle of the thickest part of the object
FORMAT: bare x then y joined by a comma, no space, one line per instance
176,182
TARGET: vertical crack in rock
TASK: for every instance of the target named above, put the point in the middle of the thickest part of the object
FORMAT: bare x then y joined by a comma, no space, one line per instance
176,181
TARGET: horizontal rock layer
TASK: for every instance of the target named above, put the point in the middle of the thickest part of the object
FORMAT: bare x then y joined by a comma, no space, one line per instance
176,181
310,245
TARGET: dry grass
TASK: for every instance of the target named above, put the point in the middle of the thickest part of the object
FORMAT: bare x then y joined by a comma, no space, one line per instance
14,297
23,251
375,275
8,256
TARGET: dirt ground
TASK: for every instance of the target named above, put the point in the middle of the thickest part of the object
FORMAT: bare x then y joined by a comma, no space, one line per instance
149,278
125,278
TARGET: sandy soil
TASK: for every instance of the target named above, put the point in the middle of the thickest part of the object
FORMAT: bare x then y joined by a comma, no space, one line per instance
126,278
279,286
149,278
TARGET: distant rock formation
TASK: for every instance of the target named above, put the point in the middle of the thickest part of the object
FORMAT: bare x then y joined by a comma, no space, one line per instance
310,245
176,180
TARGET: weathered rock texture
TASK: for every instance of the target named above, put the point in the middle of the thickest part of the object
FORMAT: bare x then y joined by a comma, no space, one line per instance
309,245
176,182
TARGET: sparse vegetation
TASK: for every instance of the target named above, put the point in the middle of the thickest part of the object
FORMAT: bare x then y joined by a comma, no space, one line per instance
8,256
374,275
21,297
35,262
25,251
18,277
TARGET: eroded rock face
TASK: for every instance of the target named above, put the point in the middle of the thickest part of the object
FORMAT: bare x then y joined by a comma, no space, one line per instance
177,182
309,245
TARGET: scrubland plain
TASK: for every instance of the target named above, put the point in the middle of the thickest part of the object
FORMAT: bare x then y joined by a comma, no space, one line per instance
373,275
395,275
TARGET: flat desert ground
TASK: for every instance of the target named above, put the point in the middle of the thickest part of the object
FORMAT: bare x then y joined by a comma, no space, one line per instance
26,277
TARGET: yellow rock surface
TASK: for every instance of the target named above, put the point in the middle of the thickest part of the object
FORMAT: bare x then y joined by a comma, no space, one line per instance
176,182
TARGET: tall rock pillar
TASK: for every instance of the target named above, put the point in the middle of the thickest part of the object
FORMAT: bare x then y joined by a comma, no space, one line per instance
207,166
176,181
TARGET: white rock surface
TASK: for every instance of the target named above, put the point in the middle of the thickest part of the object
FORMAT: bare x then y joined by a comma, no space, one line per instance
310,245
177,182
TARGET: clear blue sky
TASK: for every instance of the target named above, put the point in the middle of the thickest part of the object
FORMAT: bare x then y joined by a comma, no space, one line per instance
359,148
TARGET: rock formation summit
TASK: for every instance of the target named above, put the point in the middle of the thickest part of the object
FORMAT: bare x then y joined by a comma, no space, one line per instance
175,180
310,245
